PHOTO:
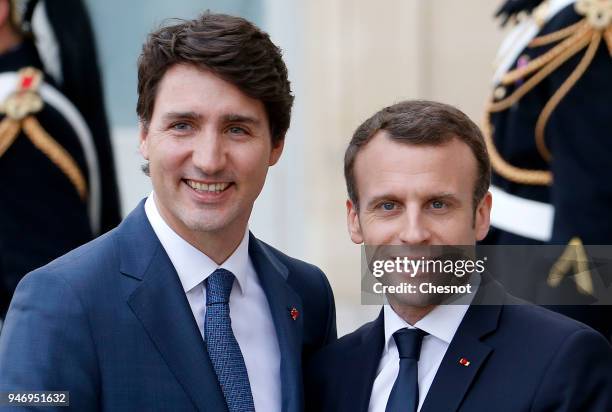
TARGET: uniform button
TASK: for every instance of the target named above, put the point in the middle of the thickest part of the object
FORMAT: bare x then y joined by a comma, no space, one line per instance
499,92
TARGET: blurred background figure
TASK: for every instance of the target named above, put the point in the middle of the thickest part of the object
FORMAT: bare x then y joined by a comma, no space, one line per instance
548,126
57,176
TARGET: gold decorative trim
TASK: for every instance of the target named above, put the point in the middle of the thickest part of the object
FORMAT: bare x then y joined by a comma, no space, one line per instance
9,130
19,108
580,33
557,35
540,75
573,39
25,100
56,153
608,38
506,170
560,94
573,261
597,12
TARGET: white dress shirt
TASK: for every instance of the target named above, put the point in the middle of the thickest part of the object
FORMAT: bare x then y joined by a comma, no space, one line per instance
252,322
441,324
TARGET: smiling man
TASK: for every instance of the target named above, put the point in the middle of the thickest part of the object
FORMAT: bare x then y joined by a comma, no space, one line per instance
418,175
181,307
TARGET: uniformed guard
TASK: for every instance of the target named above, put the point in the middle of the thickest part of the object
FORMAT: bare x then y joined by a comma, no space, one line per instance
548,126
57,184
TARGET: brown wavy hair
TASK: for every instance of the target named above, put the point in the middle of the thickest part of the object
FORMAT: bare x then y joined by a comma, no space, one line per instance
421,122
230,47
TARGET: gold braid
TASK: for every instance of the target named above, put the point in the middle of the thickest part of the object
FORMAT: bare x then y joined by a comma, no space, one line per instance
608,37
534,80
56,153
561,92
505,169
575,38
557,35
19,108
547,57
9,129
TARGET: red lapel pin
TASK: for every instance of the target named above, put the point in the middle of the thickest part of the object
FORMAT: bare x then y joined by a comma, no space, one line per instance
464,362
294,313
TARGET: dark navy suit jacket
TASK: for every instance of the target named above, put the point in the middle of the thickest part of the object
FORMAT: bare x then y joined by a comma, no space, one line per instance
522,358
110,323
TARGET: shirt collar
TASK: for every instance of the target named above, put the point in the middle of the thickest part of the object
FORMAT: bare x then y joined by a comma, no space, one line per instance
442,322
193,266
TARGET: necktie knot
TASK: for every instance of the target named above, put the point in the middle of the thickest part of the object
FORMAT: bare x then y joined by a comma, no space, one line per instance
219,286
409,342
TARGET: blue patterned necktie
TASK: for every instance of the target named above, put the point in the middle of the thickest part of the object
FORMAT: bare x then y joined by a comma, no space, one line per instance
222,346
404,396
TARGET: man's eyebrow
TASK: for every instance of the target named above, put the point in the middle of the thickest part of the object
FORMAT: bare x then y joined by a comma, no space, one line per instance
392,198
444,196
383,197
240,118
181,115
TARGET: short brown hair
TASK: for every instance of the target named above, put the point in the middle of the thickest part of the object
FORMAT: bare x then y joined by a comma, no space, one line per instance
230,47
421,122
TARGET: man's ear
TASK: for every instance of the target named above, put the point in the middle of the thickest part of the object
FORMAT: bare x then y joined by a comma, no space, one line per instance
143,144
352,221
482,219
276,152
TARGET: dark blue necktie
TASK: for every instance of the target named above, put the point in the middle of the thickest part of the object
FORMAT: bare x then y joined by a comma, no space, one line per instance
404,396
222,346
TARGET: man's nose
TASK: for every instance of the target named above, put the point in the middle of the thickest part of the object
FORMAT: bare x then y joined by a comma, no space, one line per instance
414,230
209,152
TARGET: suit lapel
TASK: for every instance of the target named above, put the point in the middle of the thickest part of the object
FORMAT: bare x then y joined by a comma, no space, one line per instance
282,299
455,377
453,380
361,366
160,304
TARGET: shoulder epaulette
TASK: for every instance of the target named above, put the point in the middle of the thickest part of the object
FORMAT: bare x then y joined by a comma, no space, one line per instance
510,10
20,108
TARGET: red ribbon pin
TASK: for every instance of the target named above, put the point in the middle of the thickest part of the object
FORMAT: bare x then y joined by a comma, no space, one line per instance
294,313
